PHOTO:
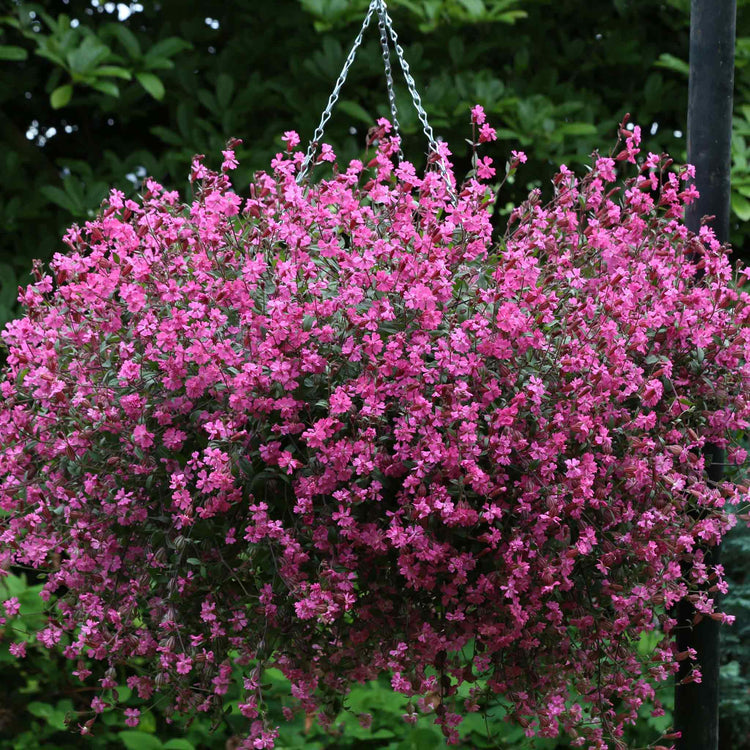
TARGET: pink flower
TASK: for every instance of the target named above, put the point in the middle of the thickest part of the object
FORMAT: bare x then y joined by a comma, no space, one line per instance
478,117
652,392
340,402
129,371
291,138
484,169
519,156
18,649
230,160
184,664
142,437
174,438
487,133
132,716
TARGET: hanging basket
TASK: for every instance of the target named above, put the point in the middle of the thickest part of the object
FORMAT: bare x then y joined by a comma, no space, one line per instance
333,428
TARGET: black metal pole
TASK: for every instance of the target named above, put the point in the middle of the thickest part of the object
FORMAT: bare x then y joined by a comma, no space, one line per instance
709,122
709,132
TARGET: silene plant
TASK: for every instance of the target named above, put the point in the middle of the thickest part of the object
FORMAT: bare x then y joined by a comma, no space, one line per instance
337,430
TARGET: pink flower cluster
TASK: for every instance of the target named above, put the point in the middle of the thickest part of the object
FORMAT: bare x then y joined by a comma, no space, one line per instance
335,429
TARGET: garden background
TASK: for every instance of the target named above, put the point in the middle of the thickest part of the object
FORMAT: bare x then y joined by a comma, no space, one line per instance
95,95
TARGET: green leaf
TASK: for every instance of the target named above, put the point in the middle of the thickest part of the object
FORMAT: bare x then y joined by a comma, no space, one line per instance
53,716
167,48
511,16
9,52
152,84
475,8
178,744
424,739
86,57
61,96
60,197
224,89
40,710
127,38
110,88
670,62
134,740
167,135
741,207
114,70
355,110
577,128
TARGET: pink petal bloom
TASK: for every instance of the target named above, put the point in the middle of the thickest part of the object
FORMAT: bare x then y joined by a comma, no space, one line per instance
652,392
18,649
484,169
129,371
184,664
291,138
174,438
487,133
737,456
230,160
132,717
520,156
12,606
478,117
340,402
142,437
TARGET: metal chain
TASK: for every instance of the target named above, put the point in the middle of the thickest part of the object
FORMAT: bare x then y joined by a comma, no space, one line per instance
384,43
334,97
416,98
412,86
386,28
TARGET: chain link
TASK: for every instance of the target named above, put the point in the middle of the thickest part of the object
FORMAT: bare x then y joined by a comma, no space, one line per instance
389,75
385,25
417,99
334,97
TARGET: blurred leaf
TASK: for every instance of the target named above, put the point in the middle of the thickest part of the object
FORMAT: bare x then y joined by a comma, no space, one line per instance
61,96
511,16
87,56
167,135
670,62
167,48
741,207
474,7
577,128
135,740
152,84
9,52
224,90
106,87
424,739
355,110
126,37
114,70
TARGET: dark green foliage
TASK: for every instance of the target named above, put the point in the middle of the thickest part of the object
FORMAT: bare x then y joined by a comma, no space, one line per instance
735,643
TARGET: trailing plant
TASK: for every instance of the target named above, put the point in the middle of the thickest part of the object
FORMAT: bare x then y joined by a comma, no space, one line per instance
330,429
